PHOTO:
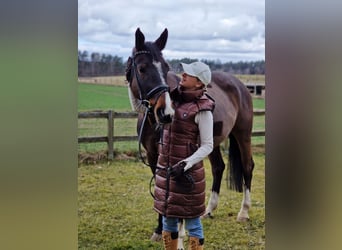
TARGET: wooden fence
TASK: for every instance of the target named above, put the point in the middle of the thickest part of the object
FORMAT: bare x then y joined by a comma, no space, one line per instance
110,115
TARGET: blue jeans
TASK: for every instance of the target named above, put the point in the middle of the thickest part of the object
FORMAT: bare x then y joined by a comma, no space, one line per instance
193,226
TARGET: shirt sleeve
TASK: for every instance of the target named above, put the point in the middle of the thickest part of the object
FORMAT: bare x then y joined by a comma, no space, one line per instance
204,119
135,103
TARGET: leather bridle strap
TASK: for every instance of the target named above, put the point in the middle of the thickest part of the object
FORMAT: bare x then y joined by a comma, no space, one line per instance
148,109
156,90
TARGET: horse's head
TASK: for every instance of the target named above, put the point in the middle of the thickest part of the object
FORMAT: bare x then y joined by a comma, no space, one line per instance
146,74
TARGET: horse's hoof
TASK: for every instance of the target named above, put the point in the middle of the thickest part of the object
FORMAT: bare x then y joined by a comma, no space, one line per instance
180,245
242,219
207,215
156,237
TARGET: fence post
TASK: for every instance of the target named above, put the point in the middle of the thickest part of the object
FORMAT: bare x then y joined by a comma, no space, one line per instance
110,135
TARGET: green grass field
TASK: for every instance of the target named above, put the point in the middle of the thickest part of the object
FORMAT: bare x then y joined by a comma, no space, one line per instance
102,97
115,209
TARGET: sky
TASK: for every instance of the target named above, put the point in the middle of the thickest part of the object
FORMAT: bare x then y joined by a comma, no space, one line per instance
225,30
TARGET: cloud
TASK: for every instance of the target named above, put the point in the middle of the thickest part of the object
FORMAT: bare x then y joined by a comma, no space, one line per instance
228,30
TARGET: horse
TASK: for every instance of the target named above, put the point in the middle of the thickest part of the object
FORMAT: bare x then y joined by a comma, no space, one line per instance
150,80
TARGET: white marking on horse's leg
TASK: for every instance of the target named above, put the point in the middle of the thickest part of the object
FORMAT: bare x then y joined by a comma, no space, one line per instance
212,204
245,206
181,235
156,237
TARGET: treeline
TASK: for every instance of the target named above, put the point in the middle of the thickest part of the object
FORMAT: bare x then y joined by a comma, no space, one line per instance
96,64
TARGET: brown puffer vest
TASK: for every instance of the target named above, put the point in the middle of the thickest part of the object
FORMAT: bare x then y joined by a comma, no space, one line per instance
181,198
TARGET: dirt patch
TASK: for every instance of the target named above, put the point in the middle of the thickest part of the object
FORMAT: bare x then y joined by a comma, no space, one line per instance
91,158
104,80
258,149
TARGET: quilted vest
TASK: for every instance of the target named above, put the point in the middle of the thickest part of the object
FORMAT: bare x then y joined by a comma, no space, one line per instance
181,198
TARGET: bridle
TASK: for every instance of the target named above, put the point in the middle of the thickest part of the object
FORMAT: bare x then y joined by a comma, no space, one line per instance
155,93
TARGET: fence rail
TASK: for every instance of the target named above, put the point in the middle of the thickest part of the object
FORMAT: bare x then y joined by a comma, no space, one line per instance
110,115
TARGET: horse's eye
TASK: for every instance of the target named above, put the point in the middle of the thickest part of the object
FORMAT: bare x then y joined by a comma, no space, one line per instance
142,69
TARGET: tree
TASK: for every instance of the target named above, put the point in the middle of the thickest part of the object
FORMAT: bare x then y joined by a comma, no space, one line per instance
106,65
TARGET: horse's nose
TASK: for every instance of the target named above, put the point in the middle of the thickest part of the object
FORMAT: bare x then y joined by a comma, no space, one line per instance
168,105
162,117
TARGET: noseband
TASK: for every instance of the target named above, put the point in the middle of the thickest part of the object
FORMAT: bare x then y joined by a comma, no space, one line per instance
156,92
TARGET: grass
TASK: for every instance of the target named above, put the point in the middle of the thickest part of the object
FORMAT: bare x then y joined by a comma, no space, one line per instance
102,97
251,78
116,209
258,103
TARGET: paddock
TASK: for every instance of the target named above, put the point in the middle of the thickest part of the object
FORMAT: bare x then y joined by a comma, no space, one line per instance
115,208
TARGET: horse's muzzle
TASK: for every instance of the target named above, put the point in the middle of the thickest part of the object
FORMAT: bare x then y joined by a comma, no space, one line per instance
162,118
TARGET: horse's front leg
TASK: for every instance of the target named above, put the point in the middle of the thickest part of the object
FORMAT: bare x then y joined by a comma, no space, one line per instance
181,235
217,169
157,234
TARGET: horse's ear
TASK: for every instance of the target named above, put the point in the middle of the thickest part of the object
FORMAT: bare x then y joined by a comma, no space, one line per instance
161,41
139,40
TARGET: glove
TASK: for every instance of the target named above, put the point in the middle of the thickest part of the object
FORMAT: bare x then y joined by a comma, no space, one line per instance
177,170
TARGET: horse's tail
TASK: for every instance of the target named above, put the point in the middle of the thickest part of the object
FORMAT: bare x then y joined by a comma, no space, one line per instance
235,165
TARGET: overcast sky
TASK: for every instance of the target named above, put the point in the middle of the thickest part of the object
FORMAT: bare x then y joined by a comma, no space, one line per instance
227,30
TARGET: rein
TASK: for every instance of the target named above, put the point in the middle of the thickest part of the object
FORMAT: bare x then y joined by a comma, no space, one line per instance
148,109
156,92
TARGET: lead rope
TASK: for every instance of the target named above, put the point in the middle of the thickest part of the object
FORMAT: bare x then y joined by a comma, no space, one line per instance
145,102
139,146
148,108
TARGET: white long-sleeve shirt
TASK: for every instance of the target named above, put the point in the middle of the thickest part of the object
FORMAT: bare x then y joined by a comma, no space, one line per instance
204,119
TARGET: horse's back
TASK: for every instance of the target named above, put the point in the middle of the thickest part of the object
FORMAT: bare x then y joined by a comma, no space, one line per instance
233,88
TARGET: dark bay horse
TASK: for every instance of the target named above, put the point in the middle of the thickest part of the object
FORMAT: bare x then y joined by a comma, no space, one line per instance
150,80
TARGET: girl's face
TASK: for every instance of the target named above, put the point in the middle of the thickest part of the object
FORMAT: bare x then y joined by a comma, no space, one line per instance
190,82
